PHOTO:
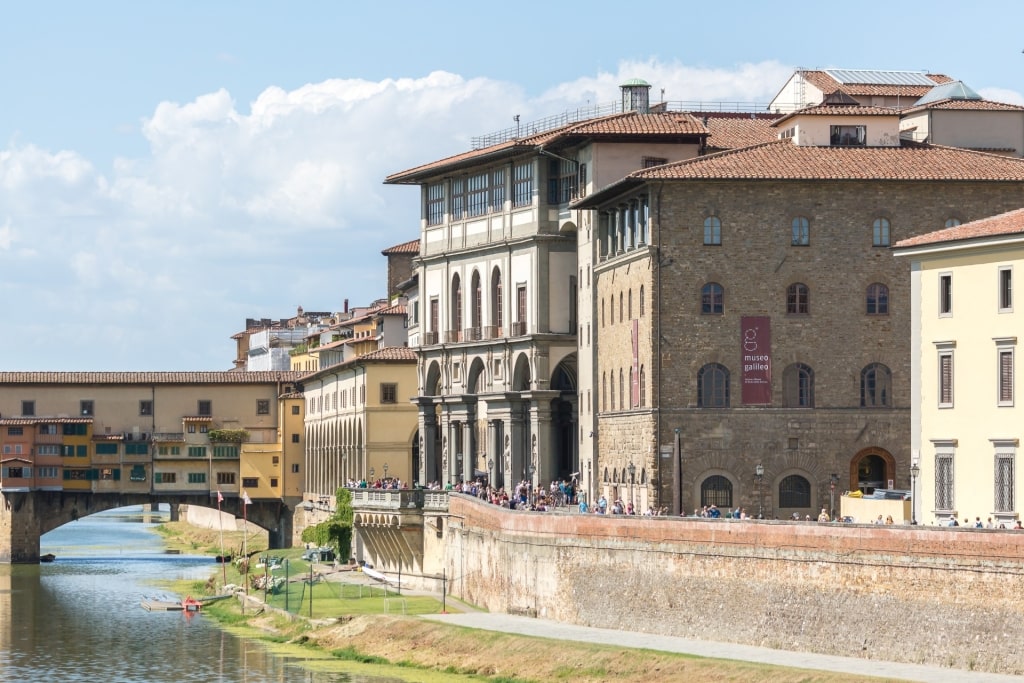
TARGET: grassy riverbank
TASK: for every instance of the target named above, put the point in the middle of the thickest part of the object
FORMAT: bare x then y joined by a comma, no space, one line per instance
414,649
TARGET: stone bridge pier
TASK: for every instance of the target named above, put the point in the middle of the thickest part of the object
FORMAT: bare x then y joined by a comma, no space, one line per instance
26,515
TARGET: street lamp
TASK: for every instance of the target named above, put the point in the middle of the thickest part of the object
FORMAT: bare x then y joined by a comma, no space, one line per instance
915,472
532,489
759,475
490,471
385,470
371,476
632,480
832,495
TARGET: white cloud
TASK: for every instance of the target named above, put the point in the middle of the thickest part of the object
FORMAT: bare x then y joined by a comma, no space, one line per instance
248,211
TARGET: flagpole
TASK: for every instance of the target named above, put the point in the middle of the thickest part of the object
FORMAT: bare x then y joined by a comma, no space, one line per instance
245,536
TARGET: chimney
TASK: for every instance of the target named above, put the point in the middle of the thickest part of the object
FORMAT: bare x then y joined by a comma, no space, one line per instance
636,96
346,305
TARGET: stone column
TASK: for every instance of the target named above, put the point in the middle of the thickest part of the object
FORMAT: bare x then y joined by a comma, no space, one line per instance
429,456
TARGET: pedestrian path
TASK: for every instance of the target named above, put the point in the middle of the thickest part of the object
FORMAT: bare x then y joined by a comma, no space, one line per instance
543,628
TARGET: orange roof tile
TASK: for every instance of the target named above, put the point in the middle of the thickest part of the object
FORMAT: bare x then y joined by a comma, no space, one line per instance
1009,223
217,377
658,124
24,421
838,110
410,247
827,84
965,105
733,132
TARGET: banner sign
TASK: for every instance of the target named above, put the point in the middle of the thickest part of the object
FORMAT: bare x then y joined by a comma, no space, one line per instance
756,377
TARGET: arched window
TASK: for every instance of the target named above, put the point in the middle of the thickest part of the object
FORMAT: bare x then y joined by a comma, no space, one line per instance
712,299
621,318
612,392
602,311
801,232
794,492
880,232
712,230
716,490
798,299
875,386
798,386
630,305
713,386
952,222
878,299
642,301
456,315
497,302
476,308
622,392
643,388
630,387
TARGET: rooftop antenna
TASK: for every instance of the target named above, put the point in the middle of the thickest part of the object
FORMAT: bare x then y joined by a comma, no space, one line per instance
662,94
516,118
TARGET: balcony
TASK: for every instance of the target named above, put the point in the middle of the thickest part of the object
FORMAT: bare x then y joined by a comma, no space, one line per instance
452,336
518,329
429,338
492,332
471,334
387,499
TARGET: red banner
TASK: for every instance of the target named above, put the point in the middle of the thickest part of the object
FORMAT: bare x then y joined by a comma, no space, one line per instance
756,363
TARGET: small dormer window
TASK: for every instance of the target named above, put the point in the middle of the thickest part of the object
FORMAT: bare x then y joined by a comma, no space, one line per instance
855,136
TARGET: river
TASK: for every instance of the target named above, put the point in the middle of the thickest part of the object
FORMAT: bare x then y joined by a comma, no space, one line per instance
79,619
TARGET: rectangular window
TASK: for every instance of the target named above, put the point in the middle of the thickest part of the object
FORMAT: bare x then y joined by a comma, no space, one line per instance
197,451
48,429
82,451
435,308
250,483
145,407
295,410
191,429
74,429
262,407
295,438
476,196
848,135
273,482
458,202
946,379
169,450
86,408
946,294
226,478
165,477
48,449
435,204
205,408
28,408
497,193
389,393
1004,482
136,449
562,179
15,431
521,303
1005,290
225,451
944,481
295,468
522,185
197,477
648,162
46,472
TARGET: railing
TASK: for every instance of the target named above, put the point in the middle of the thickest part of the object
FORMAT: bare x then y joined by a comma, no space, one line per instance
492,332
176,437
387,499
471,334
429,338
452,336
518,329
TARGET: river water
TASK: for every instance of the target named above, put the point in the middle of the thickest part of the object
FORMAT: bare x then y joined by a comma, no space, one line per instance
79,619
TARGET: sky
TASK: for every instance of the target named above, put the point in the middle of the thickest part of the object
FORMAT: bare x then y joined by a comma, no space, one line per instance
169,169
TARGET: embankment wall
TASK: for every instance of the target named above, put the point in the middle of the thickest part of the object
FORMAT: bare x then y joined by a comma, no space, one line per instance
930,595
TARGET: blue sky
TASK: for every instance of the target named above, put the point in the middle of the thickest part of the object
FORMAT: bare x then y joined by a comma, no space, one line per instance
170,169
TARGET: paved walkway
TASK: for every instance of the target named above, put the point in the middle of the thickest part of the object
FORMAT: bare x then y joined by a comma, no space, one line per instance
543,628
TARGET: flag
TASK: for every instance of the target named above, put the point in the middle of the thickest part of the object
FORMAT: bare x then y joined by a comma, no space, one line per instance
245,498
220,498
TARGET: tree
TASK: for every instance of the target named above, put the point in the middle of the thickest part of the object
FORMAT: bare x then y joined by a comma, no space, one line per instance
336,531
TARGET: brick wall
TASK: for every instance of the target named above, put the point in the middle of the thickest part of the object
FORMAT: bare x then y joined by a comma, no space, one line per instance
930,595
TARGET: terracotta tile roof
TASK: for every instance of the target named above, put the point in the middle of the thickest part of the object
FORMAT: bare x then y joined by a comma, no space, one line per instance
733,132
217,377
410,247
827,84
838,110
658,124
25,421
785,160
108,437
293,394
965,105
397,309
1009,223
388,354
197,418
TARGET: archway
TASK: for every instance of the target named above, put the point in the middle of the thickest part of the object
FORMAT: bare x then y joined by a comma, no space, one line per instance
564,419
872,468
521,374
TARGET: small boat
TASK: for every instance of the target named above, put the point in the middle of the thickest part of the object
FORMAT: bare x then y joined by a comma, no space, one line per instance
48,557
190,604
223,559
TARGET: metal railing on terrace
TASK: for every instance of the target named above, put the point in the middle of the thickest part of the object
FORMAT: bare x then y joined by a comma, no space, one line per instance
391,499
597,110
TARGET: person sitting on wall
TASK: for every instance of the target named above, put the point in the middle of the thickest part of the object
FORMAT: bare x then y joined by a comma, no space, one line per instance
823,517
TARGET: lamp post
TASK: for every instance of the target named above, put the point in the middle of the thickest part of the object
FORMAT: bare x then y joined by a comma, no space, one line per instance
385,470
532,489
832,495
632,480
759,475
458,465
677,465
915,472
490,471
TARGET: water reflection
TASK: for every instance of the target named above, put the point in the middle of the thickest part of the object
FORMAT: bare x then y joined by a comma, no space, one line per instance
79,618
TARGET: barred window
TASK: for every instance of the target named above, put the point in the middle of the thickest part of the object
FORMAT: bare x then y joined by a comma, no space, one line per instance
498,190
1004,483
946,380
477,194
1006,377
943,481
435,204
877,299
795,492
716,490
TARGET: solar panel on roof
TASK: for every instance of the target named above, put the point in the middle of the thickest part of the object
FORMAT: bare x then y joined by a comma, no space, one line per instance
865,76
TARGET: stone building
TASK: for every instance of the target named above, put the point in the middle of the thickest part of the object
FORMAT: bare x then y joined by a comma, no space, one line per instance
753,327
502,261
